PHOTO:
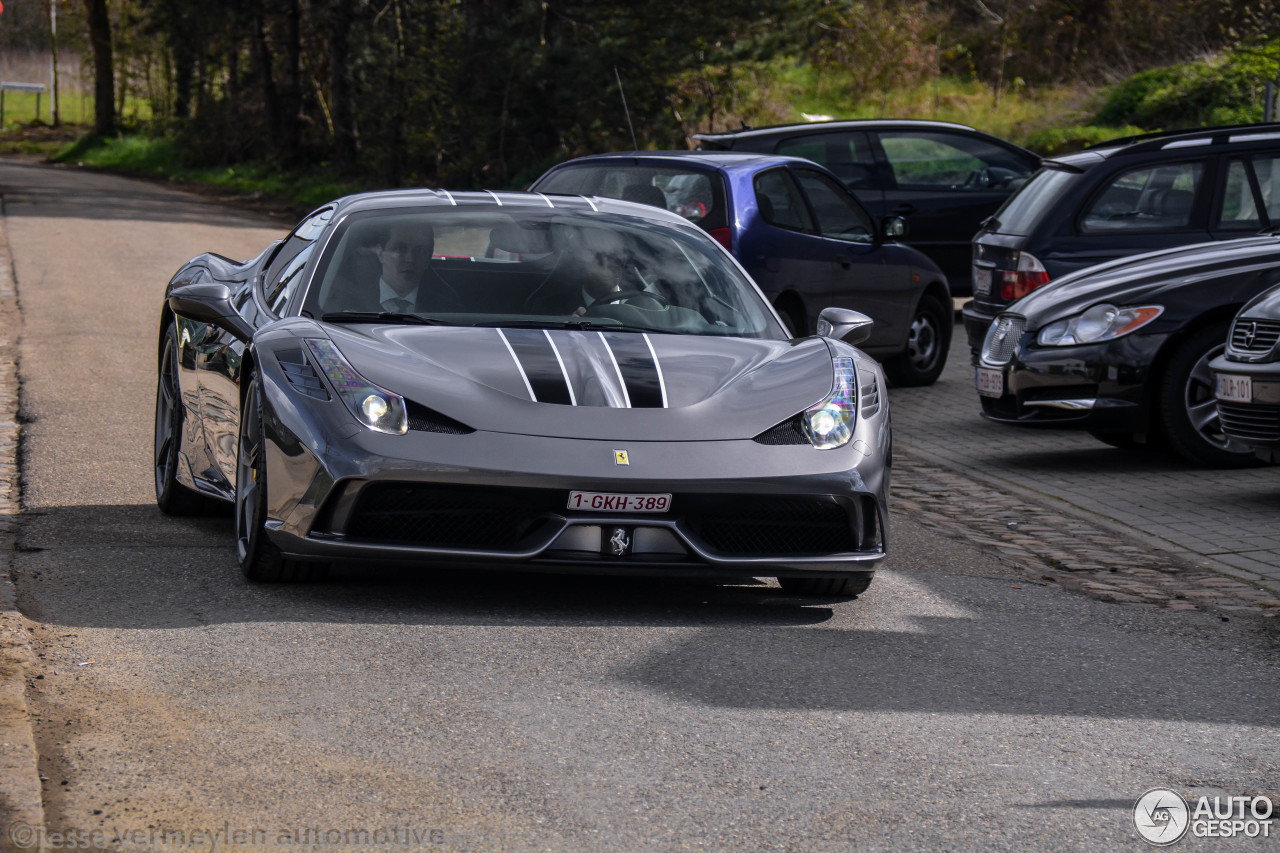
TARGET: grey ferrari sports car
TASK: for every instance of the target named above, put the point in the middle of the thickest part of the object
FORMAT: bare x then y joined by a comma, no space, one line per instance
514,380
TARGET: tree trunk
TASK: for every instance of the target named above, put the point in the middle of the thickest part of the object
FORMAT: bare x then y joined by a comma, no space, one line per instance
291,102
104,79
340,97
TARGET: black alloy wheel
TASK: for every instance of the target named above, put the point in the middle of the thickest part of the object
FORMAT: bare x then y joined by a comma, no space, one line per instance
172,497
928,339
1188,410
260,560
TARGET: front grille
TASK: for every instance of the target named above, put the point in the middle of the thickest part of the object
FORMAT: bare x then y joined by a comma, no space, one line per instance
1002,338
452,517
428,420
788,432
1250,423
1254,336
774,526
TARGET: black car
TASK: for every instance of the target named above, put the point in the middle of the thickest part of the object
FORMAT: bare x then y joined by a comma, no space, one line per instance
1127,196
801,236
1247,377
944,179
1123,349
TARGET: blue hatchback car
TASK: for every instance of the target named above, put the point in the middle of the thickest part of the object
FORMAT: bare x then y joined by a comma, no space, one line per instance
799,233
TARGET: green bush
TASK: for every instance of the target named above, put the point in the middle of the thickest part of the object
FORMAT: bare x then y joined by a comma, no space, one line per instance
1061,140
1224,90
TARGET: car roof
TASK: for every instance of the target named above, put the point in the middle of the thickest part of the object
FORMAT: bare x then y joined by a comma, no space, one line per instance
728,161
836,124
496,199
1185,139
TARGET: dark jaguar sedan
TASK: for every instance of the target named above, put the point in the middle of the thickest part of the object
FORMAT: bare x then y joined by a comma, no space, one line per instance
1247,377
1123,349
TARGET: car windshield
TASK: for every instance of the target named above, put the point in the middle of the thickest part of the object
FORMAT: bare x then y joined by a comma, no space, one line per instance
534,267
695,194
1028,205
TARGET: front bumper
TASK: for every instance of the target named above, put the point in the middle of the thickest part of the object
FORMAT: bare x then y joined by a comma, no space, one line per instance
1256,423
1095,387
738,508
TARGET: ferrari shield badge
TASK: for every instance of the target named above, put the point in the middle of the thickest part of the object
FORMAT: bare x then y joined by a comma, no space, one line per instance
620,457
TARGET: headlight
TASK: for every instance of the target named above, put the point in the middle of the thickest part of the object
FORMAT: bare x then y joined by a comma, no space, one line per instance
376,408
829,424
1100,323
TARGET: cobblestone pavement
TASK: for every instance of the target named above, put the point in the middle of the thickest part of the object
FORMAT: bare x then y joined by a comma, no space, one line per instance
1131,526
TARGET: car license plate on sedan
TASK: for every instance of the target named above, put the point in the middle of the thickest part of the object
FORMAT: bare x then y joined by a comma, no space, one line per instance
614,502
989,382
1235,389
981,281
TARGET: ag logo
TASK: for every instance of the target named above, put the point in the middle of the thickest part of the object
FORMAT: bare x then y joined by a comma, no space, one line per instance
620,458
1161,816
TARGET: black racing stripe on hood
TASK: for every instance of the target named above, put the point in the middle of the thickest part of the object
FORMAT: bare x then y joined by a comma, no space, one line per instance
639,369
538,359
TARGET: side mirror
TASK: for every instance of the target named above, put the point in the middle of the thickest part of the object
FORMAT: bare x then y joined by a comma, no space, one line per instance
209,302
893,228
845,324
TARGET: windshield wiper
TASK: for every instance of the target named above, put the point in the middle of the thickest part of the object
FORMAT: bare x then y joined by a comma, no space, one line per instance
579,325
382,317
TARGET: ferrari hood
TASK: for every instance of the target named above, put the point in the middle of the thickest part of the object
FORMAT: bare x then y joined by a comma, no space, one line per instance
590,384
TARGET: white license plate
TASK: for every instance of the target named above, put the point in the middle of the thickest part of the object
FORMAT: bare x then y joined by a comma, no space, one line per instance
981,281
614,502
990,383
1235,389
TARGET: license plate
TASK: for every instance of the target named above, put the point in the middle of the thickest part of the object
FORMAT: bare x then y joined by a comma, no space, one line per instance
614,502
990,383
981,281
1235,389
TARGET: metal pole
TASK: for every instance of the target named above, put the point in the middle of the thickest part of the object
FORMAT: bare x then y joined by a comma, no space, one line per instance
53,62
1269,103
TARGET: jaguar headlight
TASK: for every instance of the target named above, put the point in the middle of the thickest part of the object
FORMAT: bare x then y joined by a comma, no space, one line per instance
1100,323
829,423
377,408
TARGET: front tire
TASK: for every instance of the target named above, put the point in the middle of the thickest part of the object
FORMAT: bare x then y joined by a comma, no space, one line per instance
172,497
259,558
928,340
846,587
1188,410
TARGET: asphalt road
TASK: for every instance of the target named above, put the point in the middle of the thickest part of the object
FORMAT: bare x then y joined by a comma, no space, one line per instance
957,704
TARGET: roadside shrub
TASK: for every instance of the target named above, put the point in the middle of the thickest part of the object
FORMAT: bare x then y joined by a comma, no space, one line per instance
1224,90
1062,140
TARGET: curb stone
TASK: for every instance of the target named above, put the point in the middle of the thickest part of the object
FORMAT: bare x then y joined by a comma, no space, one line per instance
20,792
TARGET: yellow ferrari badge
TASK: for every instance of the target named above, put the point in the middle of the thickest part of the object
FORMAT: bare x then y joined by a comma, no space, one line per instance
620,457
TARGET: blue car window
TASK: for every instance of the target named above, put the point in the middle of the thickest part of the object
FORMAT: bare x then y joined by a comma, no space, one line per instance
780,201
695,194
848,155
839,216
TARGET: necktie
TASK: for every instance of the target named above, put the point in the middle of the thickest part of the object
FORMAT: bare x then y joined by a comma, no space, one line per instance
397,305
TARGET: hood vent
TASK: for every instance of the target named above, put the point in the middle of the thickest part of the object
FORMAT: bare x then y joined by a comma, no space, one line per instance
301,375
428,420
787,432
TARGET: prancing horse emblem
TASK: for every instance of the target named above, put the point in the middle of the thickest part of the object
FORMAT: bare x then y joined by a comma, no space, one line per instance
620,457
620,542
